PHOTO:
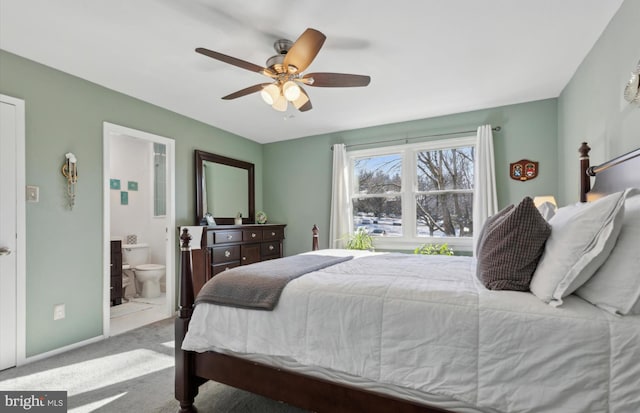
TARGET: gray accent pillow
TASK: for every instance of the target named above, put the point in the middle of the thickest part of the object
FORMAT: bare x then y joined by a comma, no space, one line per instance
511,246
488,223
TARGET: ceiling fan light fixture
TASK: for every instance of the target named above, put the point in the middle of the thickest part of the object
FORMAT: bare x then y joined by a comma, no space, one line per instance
270,94
285,72
280,104
291,90
301,100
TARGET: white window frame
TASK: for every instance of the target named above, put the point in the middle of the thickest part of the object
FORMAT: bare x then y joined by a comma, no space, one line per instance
409,239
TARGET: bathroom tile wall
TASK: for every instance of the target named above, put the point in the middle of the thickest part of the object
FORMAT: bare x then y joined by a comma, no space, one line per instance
131,163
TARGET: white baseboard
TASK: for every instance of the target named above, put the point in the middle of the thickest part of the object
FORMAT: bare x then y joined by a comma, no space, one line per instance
60,350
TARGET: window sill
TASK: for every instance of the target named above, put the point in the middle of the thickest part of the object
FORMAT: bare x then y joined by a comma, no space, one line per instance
402,244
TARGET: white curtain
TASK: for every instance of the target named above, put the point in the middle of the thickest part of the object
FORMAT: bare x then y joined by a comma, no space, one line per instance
485,201
341,217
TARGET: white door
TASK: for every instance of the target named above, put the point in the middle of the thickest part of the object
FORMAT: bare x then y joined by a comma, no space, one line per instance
8,235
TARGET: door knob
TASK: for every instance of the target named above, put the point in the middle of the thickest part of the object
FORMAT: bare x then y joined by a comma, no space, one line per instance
5,251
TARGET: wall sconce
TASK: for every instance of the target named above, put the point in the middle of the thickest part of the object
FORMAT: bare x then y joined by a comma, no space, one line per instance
632,89
70,171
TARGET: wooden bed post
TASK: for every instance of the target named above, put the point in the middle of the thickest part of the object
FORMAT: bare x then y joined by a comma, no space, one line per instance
314,243
585,179
186,387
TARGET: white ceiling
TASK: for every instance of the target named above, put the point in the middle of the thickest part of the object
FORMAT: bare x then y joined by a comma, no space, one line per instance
425,58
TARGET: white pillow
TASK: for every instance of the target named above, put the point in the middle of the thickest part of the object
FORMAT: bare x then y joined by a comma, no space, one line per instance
581,240
547,210
615,287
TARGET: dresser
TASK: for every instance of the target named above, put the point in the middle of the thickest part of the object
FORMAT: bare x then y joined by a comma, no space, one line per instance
227,246
116,272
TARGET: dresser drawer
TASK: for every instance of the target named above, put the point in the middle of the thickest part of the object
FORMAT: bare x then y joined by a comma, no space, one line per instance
218,268
221,237
270,248
250,254
224,254
273,234
230,246
116,264
252,235
116,287
116,246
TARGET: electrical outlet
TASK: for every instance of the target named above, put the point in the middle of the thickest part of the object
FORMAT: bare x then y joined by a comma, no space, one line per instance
58,312
33,193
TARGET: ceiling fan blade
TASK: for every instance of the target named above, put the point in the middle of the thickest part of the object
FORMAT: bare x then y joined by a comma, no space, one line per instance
236,62
246,91
304,50
335,80
303,103
307,106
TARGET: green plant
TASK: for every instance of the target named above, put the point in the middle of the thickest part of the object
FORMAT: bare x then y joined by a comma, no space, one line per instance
433,249
360,240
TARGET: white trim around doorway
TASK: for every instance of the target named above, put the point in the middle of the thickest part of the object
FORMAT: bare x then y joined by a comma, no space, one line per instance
109,130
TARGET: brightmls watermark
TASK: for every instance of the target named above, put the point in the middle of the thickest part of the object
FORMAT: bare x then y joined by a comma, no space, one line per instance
33,401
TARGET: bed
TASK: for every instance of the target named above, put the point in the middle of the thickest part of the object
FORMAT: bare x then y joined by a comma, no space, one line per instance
333,342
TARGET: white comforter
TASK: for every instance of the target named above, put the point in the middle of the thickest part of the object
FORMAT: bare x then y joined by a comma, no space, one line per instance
426,323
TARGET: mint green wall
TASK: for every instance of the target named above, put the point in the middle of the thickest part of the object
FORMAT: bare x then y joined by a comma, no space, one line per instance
64,113
297,178
64,248
591,108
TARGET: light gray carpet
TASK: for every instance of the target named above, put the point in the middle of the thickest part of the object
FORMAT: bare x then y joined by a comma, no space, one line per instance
131,372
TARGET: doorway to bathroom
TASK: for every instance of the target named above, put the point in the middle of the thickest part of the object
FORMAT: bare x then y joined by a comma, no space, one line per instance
139,228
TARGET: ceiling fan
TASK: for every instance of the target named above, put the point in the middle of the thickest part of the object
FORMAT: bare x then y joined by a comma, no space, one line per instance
285,69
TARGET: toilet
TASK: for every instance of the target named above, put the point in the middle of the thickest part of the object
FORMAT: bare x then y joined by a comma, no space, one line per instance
147,275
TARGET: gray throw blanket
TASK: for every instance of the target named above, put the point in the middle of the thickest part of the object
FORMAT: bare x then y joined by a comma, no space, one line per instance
258,286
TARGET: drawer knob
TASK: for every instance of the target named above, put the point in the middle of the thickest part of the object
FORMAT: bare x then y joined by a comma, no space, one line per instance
229,237
273,234
253,235
271,247
227,253
244,258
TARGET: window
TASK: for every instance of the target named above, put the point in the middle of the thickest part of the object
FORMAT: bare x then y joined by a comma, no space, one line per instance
159,179
377,203
414,194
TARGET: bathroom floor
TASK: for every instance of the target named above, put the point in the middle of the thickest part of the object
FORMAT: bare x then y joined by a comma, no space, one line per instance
137,312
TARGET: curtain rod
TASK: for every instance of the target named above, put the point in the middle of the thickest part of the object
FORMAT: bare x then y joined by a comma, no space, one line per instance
406,140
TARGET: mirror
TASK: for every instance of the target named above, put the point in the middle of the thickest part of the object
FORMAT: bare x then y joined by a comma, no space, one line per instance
224,187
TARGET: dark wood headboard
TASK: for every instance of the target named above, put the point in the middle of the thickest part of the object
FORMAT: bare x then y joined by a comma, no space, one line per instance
612,176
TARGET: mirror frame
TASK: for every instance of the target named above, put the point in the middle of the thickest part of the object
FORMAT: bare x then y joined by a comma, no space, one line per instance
200,157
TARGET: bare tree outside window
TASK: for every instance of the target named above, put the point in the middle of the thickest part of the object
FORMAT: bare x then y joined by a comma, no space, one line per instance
441,187
444,200
377,206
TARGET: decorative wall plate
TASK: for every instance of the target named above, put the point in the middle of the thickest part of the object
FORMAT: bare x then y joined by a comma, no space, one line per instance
523,170
261,217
